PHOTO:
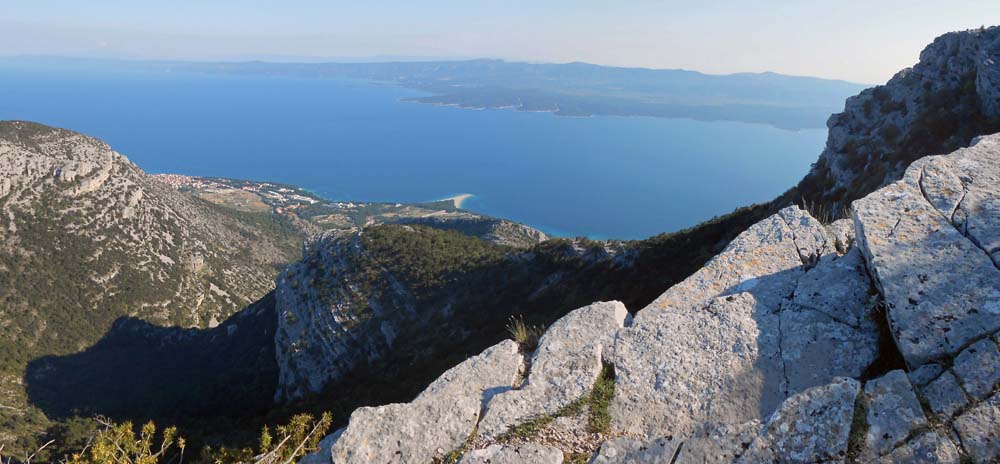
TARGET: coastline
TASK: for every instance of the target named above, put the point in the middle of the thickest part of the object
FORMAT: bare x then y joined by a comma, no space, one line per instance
459,199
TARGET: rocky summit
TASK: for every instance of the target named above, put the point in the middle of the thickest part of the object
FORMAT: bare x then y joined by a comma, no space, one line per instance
935,107
871,339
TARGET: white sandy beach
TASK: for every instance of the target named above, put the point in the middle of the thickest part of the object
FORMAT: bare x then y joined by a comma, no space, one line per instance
459,199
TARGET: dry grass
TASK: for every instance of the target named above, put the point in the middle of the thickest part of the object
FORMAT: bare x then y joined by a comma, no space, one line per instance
525,335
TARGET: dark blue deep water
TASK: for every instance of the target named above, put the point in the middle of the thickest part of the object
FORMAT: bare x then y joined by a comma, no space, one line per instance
604,177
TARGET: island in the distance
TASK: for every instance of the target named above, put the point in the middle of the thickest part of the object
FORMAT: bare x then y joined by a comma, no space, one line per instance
563,89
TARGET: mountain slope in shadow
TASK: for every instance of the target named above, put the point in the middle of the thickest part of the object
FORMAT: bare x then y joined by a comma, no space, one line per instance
173,375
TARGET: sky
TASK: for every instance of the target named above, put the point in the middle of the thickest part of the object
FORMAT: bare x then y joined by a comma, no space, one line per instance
863,41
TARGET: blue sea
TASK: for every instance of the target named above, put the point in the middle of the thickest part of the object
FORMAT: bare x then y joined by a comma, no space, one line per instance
602,177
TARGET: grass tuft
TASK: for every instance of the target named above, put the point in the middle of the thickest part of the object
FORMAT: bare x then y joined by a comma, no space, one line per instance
595,403
599,400
825,213
859,428
525,335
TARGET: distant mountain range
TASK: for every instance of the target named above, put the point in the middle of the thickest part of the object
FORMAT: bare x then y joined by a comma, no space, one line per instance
570,89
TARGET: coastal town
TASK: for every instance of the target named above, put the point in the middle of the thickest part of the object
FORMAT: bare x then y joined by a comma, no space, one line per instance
297,203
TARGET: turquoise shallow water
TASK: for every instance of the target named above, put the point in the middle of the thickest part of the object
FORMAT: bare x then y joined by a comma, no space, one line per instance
603,177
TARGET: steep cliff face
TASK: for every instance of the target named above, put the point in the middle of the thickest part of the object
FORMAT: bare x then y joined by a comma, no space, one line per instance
935,107
77,215
335,314
872,339
365,299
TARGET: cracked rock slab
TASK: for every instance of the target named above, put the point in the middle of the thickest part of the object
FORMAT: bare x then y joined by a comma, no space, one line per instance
718,445
941,291
979,368
809,235
439,420
944,395
977,211
563,369
721,363
838,286
764,252
812,426
816,348
893,413
708,348
630,451
527,453
925,374
926,448
979,430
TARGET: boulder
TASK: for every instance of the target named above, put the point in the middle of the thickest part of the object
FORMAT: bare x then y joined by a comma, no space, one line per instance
809,235
526,453
812,426
438,421
893,413
563,368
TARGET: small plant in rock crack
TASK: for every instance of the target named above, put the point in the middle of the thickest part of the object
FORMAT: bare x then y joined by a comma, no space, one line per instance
525,335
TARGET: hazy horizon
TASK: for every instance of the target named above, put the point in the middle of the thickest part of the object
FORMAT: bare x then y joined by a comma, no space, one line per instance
297,59
853,40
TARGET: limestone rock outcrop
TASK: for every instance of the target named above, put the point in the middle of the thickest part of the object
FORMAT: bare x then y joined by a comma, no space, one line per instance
979,430
893,413
326,324
907,229
529,453
766,327
627,450
812,426
929,447
130,241
935,107
438,421
564,367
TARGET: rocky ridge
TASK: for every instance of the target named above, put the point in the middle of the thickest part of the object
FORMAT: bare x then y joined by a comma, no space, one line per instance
935,107
772,351
127,226
359,298
86,237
